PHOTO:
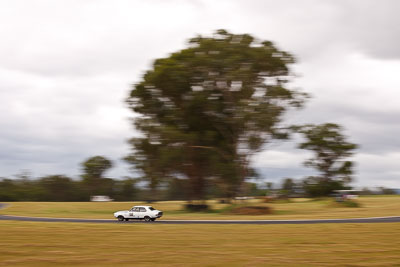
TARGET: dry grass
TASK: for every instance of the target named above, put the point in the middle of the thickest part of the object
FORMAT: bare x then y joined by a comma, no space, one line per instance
374,206
73,244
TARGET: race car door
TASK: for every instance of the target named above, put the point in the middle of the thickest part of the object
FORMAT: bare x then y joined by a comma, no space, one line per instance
133,213
141,213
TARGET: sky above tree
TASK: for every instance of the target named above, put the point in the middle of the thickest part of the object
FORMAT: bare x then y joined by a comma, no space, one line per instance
67,66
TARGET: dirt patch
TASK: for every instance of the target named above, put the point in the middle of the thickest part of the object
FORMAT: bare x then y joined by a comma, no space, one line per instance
251,210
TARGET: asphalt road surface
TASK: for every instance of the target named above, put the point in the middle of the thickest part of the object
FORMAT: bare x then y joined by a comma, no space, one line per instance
160,221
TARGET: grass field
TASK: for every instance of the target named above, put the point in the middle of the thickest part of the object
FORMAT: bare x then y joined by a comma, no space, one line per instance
73,244
78,244
371,206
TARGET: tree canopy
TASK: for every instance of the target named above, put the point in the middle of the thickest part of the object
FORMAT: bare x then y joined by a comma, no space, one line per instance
207,108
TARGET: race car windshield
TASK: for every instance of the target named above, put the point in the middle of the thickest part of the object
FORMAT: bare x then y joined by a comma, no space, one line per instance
151,208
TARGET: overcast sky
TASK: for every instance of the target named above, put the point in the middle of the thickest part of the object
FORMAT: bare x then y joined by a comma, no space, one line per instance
67,66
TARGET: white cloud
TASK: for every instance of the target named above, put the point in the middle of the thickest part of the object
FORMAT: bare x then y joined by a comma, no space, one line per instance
378,169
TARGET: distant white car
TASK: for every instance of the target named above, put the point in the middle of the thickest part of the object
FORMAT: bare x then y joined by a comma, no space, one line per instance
146,213
100,198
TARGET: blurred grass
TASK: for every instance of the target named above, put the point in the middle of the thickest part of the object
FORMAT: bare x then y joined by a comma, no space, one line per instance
75,244
371,206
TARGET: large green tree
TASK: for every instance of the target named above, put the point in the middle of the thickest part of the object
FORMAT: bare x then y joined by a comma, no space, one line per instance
331,151
207,108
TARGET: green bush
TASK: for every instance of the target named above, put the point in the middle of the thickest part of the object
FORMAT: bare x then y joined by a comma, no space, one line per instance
350,204
345,203
197,207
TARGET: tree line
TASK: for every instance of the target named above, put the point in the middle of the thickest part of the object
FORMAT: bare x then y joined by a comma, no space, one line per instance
63,188
93,182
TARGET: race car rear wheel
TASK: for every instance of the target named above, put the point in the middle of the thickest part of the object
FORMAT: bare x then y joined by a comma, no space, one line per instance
121,218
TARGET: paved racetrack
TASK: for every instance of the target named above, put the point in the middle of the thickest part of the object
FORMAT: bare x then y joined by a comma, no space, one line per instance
355,220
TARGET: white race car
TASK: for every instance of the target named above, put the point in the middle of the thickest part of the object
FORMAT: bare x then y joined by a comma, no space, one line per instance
147,213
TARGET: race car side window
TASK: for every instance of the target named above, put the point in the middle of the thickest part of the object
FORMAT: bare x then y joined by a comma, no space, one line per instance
142,209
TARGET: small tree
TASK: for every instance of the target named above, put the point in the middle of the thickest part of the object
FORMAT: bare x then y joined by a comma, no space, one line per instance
288,187
94,169
330,152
